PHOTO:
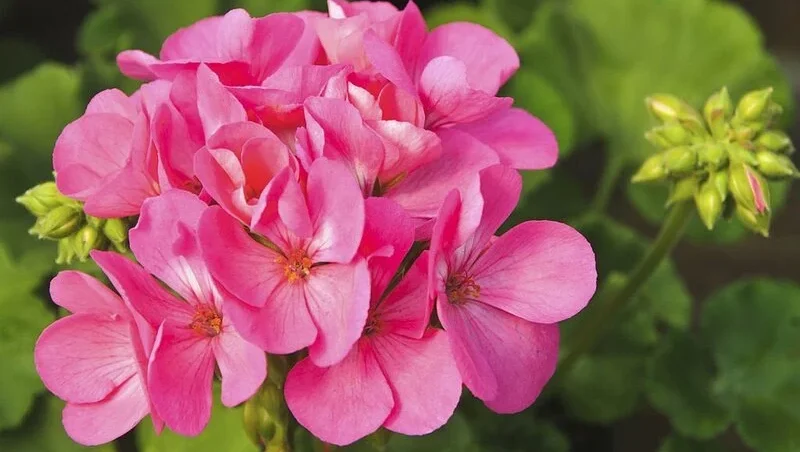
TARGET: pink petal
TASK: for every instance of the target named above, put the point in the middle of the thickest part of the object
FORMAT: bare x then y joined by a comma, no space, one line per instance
336,206
426,397
411,34
504,360
142,291
217,106
489,59
96,145
387,61
424,190
387,226
520,140
136,64
407,147
448,97
220,172
113,101
401,105
341,403
245,268
234,35
376,11
283,325
365,102
197,41
122,195
337,296
175,145
274,39
406,311
338,132
82,358
101,422
341,40
500,190
243,367
80,293
281,213
180,374
542,271
308,49
263,158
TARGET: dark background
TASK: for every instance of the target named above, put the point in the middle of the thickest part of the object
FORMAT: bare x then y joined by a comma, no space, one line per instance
52,26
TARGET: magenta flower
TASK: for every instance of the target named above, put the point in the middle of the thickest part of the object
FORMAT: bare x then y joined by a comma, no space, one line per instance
241,49
194,331
105,157
500,298
400,374
300,283
96,360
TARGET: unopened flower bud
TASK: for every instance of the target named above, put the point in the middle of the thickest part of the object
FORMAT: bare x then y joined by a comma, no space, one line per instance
748,188
43,198
95,222
709,204
681,160
717,111
86,240
58,223
682,190
720,181
713,155
752,106
758,223
116,230
674,134
737,153
775,165
775,141
266,418
669,108
658,140
66,253
651,170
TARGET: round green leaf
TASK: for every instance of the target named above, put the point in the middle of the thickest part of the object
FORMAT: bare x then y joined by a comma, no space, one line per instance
603,388
678,444
679,383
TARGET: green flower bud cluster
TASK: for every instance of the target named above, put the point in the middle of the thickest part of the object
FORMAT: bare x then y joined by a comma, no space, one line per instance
265,415
721,158
62,219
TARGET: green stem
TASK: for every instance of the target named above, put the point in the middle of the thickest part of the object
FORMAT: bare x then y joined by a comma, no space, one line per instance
592,329
607,184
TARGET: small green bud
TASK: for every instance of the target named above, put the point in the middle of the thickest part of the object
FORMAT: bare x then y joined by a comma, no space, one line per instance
713,155
758,223
737,153
266,418
752,106
775,165
674,133
775,141
669,108
86,240
681,160
658,140
749,188
116,230
747,132
43,198
682,190
60,222
709,204
651,170
717,111
720,181
95,222
66,253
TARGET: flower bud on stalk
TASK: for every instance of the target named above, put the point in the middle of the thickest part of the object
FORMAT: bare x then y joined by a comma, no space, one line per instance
775,165
709,203
43,198
58,223
775,141
86,240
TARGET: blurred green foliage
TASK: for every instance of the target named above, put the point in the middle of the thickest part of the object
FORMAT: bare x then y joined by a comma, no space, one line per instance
586,67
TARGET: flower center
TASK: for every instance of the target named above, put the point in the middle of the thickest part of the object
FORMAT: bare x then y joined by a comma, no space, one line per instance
461,288
372,327
206,322
296,266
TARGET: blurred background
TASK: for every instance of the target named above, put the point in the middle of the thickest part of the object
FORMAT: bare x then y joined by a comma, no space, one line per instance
586,67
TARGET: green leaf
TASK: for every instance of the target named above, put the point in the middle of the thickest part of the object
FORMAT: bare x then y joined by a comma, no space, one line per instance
455,436
649,200
753,328
225,432
43,432
678,444
36,106
466,12
689,48
552,194
538,96
679,384
518,14
603,388
24,316
258,8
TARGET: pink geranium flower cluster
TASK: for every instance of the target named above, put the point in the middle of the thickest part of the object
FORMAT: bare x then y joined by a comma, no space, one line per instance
326,186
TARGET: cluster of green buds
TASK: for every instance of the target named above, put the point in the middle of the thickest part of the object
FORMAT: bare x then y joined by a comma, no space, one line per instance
265,415
722,158
62,219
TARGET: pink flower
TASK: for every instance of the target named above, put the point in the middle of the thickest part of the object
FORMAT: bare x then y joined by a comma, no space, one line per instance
194,331
300,283
105,157
95,359
499,298
241,49
400,374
